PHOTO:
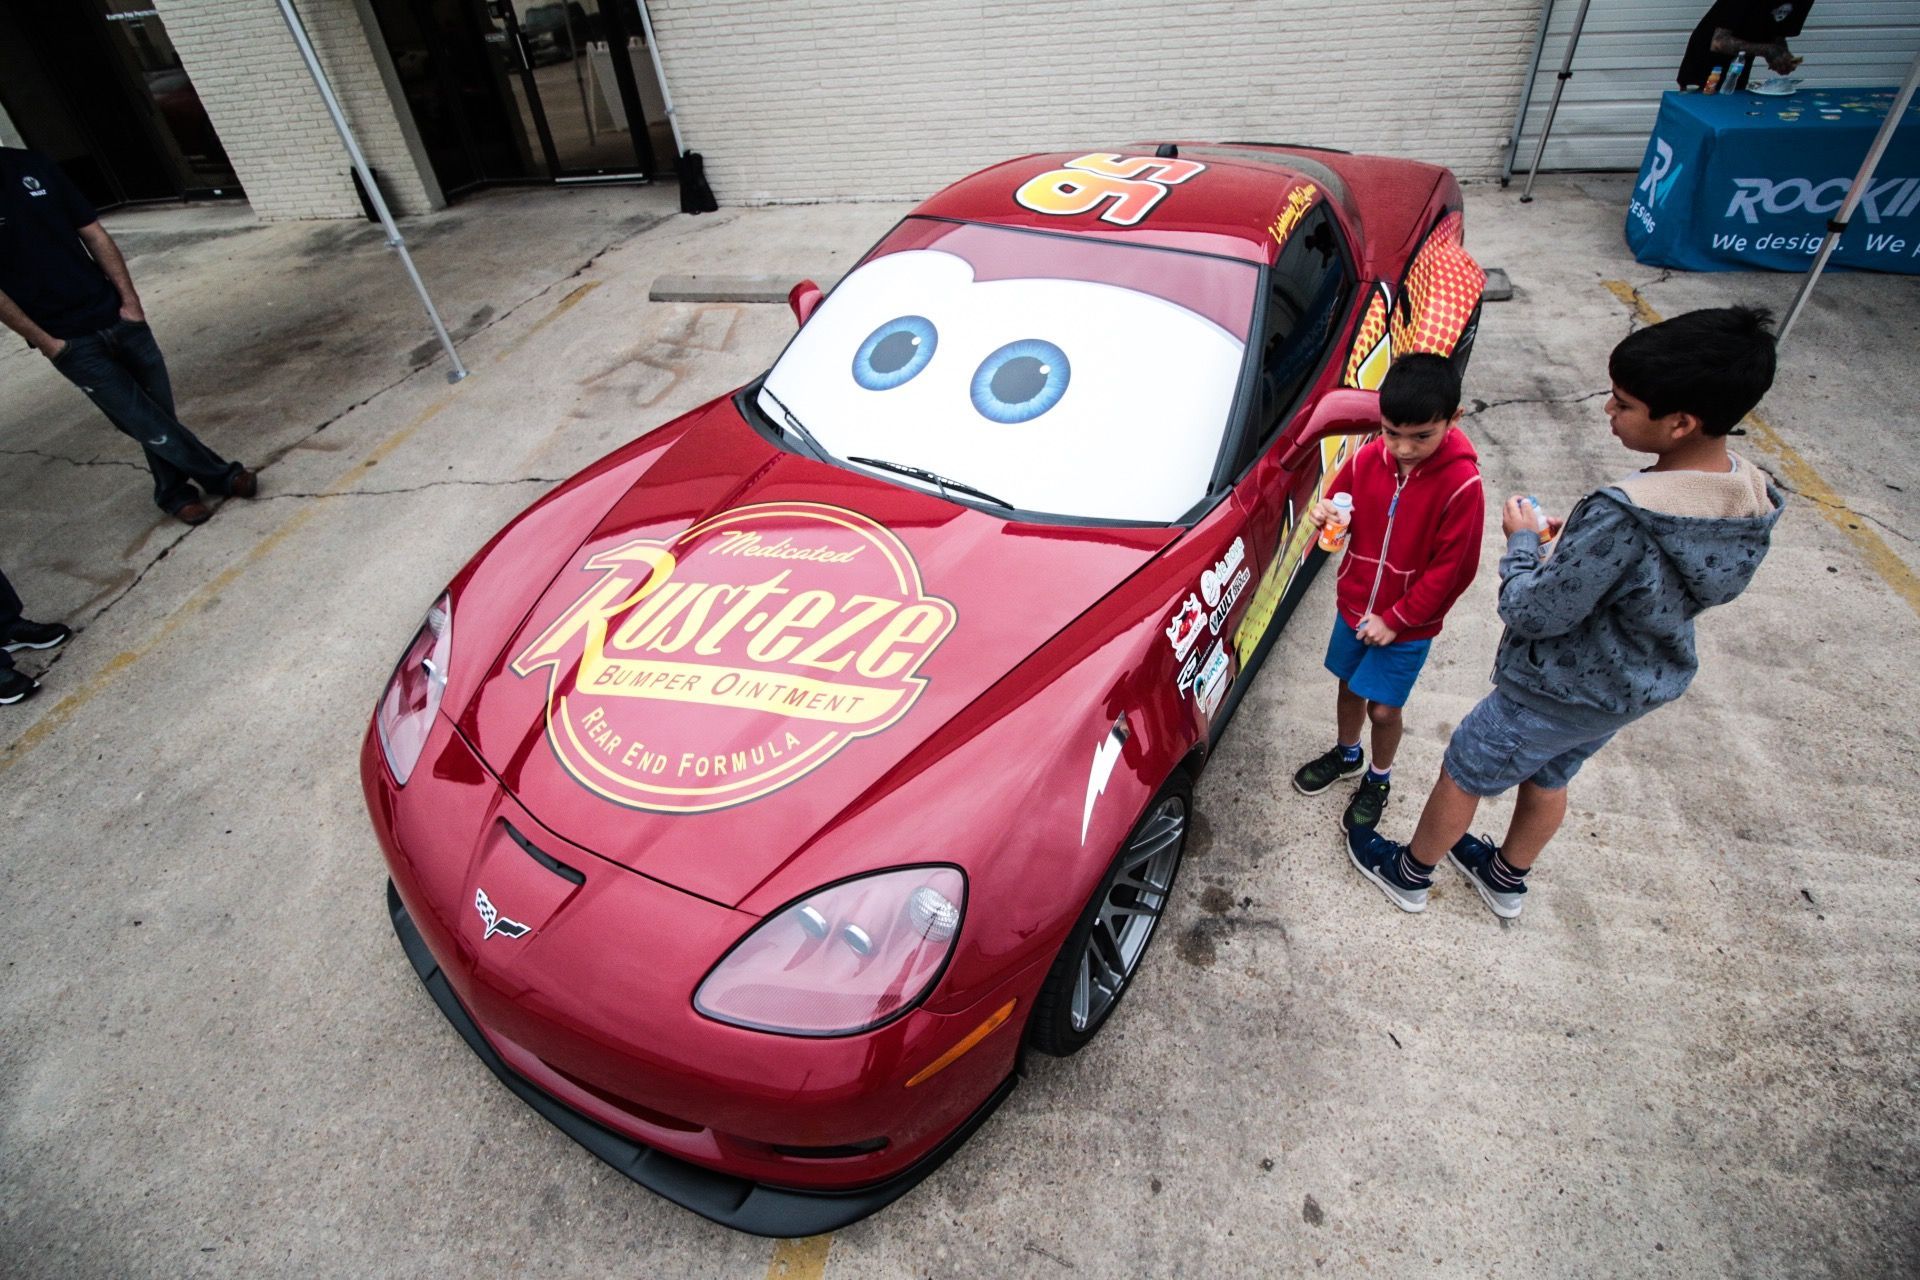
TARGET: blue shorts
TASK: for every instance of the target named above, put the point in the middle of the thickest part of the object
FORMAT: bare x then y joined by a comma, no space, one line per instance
1502,743
1382,673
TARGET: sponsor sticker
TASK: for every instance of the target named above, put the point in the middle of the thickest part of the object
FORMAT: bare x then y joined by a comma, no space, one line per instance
727,662
1212,683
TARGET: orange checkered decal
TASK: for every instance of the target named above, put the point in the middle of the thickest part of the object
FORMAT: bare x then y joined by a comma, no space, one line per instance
1443,287
1362,370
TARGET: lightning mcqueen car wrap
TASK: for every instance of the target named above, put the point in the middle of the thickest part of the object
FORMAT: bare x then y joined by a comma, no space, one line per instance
756,798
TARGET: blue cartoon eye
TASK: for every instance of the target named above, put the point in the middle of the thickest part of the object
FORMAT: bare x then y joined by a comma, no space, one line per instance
1021,381
895,352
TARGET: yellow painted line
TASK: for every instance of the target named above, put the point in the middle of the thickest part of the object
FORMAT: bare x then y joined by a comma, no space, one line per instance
1798,472
102,679
565,305
800,1259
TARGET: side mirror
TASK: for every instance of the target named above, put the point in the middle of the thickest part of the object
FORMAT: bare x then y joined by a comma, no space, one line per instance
1347,411
804,298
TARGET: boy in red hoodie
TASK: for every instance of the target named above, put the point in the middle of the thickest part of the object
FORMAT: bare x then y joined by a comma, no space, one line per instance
1414,546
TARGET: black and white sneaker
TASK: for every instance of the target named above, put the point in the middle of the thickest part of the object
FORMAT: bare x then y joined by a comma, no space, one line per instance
1473,857
1321,772
16,686
35,635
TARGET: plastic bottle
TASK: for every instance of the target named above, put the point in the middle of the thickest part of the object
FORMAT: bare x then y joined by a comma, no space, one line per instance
1333,534
1713,80
1540,521
1732,81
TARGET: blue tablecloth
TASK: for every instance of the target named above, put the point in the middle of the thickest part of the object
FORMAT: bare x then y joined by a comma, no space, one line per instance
1737,180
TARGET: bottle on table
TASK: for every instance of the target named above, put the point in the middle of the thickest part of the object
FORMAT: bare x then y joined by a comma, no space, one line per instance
1735,71
1713,80
1334,533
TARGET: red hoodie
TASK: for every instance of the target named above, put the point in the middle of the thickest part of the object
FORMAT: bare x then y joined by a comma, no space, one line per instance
1416,543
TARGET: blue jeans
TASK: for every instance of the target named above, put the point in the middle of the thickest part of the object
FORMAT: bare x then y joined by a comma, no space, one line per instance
123,373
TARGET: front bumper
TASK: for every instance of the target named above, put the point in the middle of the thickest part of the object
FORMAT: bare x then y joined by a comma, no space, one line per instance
732,1202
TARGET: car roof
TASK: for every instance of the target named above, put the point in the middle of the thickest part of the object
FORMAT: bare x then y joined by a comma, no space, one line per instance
1233,208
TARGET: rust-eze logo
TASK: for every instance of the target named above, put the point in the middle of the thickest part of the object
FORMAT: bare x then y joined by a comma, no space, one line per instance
729,661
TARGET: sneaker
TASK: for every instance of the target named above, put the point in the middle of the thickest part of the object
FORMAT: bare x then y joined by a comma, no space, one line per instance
1378,859
36,635
1473,857
1321,772
16,686
1367,803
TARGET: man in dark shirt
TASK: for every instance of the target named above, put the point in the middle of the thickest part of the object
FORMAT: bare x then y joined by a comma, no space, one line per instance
1757,28
65,288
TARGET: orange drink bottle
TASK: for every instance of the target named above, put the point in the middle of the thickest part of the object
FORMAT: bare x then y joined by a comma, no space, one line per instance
1333,534
1540,519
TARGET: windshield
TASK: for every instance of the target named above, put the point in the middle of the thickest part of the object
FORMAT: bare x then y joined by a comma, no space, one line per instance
1060,374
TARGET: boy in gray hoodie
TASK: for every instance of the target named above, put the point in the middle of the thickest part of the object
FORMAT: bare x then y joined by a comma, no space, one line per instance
1600,632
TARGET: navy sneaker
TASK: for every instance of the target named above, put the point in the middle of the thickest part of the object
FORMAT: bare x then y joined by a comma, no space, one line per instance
1378,859
1321,772
1369,800
1474,858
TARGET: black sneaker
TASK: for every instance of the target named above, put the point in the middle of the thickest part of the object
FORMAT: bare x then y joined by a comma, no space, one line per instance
1473,857
1367,803
1378,859
36,635
16,686
1321,772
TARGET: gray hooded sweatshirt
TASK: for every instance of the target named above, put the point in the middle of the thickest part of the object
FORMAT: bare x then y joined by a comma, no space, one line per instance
1600,632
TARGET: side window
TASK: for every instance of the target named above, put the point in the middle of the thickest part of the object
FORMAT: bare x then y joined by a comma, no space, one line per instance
1307,297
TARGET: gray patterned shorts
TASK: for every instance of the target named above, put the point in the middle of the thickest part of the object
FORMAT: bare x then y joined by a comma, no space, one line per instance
1502,743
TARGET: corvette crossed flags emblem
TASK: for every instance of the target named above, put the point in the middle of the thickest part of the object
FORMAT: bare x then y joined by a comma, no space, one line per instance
496,923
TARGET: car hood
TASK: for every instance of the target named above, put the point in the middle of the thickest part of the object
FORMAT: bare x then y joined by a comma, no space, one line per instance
750,642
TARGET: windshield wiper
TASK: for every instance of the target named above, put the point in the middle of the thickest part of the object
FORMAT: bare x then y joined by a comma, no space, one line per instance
794,426
921,473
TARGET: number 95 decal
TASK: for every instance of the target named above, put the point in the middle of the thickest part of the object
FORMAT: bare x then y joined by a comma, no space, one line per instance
1129,186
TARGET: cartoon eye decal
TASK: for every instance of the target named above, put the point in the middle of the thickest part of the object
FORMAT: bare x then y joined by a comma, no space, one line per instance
895,352
1021,381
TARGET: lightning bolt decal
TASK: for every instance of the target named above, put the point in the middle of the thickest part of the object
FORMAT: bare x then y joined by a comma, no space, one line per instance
1105,756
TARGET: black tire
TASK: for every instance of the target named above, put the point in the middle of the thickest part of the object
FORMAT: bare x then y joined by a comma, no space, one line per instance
1097,962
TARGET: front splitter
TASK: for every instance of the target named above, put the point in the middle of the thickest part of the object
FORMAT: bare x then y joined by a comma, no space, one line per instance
739,1203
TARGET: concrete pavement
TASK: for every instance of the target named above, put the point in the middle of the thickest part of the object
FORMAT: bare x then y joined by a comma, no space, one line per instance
1694,1056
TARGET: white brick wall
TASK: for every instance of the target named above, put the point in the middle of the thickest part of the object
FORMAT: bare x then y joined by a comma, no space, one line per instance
829,99
270,117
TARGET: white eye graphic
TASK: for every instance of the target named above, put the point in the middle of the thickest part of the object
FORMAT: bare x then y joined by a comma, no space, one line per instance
1062,396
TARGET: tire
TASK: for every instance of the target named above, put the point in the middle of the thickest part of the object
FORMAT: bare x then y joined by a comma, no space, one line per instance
1097,962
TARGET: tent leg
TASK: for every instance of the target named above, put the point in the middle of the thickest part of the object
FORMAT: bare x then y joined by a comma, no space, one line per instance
1553,108
379,201
1838,227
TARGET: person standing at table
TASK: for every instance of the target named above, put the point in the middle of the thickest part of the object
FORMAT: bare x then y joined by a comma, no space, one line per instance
1757,28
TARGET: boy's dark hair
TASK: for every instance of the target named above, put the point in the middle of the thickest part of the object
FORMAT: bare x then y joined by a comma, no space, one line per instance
1419,388
1714,364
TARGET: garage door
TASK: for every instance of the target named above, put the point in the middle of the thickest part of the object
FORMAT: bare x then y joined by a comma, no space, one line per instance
1630,50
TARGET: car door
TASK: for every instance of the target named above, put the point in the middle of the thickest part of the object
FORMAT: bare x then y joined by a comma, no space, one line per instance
1309,296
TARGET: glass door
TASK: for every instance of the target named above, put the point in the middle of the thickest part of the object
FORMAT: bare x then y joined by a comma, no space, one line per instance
578,96
193,149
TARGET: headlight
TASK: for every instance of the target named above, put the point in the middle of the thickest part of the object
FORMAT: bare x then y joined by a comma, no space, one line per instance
406,710
842,960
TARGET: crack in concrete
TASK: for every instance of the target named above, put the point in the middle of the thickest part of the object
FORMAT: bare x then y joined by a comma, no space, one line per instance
1482,406
419,488
1841,507
72,462
104,609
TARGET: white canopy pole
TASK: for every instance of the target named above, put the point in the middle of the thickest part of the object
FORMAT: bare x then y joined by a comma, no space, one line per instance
1838,226
394,241
1553,108
660,74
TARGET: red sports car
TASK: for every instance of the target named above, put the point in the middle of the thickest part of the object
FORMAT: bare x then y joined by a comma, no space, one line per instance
755,799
